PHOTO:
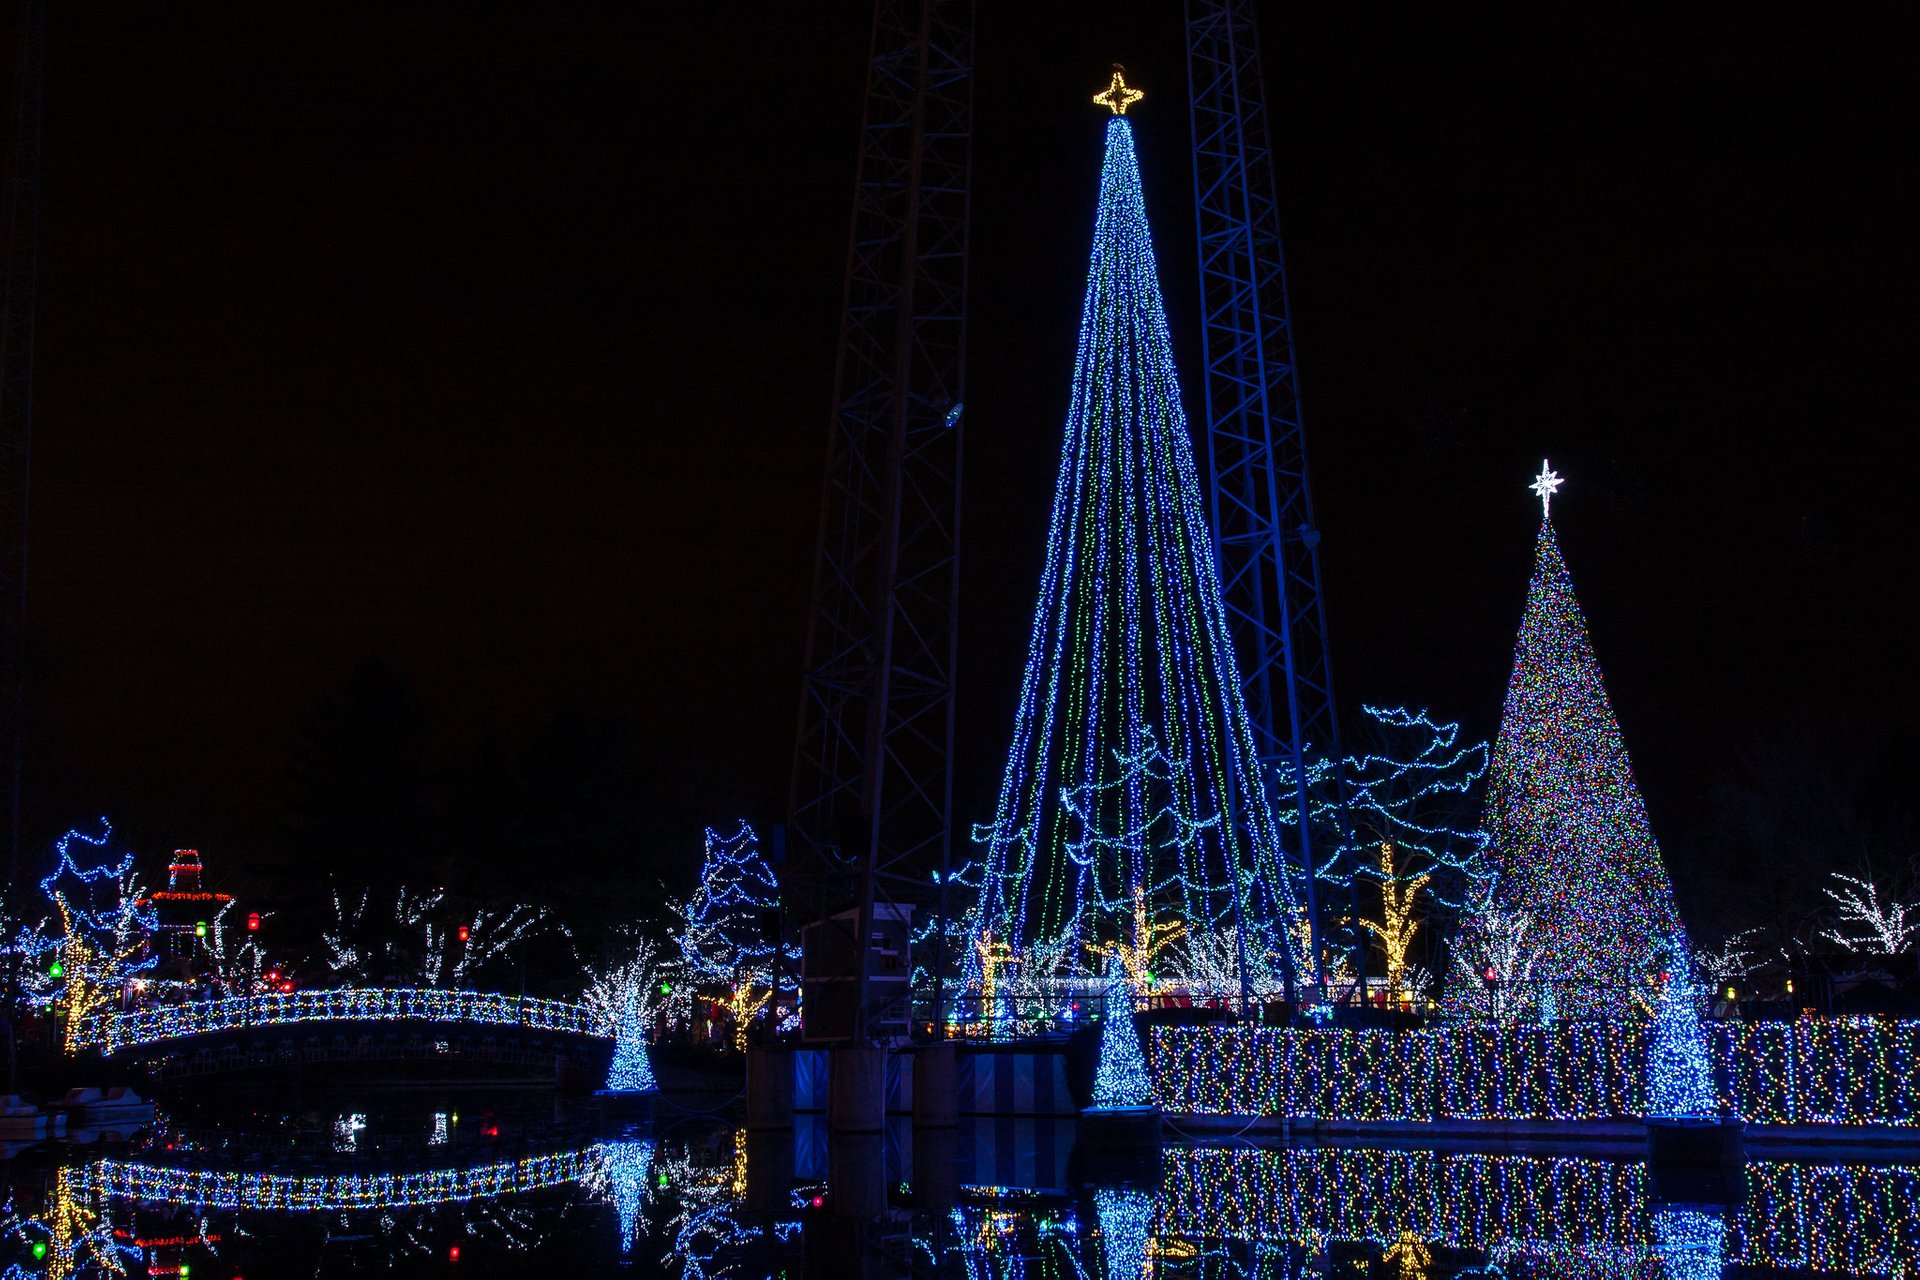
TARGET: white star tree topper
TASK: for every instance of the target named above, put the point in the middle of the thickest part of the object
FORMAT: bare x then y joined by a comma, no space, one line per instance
1546,484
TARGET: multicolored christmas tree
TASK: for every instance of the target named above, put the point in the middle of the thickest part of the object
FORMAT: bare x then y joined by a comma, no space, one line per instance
1131,796
1566,828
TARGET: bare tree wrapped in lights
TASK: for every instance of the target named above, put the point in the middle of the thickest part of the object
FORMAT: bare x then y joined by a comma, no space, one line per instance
627,997
99,937
422,939
1866,926
1411,791
1567,829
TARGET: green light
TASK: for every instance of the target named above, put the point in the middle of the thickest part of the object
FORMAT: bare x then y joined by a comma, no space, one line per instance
666,988
199,931
56,970
183,1266
663,1179
39,1250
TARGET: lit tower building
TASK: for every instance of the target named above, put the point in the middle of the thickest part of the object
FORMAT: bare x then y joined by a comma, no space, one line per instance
188,915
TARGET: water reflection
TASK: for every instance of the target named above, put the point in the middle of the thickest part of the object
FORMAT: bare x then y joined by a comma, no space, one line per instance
408,1189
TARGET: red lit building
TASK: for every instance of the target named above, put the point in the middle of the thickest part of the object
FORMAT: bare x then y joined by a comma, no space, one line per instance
186,913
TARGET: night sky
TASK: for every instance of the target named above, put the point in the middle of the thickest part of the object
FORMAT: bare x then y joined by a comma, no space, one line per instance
499,345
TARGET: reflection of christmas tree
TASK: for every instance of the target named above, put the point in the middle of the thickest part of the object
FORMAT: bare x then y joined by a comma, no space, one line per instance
1130,701
1126,1219
1567,829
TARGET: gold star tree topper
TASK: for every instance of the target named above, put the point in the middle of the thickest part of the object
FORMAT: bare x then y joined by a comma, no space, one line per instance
1118,97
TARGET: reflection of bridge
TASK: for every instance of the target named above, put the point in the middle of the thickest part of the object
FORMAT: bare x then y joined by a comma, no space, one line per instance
298,1193
358,1025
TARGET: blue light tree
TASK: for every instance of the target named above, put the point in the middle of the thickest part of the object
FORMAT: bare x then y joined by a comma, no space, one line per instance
1567,830
1120,1081
728,935
1129,652
1679,1073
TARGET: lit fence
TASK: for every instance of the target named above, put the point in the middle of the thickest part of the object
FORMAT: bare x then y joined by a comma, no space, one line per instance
1854,1071
120,1031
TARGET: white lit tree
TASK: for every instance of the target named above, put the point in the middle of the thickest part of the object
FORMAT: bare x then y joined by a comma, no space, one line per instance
1866,926
1498,943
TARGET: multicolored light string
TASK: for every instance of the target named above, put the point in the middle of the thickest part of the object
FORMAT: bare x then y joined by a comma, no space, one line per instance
1565,824
1853,1072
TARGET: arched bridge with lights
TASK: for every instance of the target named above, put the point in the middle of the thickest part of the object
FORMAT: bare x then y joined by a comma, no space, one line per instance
520,1035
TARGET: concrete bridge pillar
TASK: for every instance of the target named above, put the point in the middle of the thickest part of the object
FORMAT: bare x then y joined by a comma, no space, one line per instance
856,1088
769,1087
936,1085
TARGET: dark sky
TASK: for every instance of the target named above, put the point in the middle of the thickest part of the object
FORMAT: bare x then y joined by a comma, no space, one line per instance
499,344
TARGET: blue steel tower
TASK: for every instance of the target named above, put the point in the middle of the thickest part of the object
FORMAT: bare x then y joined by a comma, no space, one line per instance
1265,536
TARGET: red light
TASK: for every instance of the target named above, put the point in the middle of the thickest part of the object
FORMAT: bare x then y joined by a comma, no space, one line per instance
273,975
1664,975
286,988
453,1254
253,922
465,932
818,1201
1490,975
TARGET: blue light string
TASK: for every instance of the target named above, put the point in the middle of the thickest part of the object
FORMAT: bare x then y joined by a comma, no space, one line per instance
1129,658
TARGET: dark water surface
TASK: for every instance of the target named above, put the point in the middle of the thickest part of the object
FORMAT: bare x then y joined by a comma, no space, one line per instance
458,1183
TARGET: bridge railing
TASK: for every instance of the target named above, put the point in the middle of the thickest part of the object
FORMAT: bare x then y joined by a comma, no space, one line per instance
117,1031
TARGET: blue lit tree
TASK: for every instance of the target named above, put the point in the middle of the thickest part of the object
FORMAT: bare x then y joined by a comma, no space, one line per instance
626,998
97,940
1129,655
1410,804
729,935
620,1175
1126,1225
1567,830
1679,1072
1120,1081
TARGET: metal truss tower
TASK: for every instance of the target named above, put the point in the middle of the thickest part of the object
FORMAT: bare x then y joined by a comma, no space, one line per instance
16,417
1264,530
16,450
870,810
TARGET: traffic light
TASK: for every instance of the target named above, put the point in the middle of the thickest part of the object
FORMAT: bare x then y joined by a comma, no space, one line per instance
465,933
253,922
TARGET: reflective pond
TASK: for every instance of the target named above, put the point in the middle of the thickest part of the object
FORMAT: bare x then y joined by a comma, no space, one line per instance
417,1184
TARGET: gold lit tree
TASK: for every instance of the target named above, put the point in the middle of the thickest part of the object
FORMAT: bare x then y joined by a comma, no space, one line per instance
1397,924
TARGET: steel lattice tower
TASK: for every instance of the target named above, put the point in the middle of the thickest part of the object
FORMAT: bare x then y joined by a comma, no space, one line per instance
870,810
1264,531
16,417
